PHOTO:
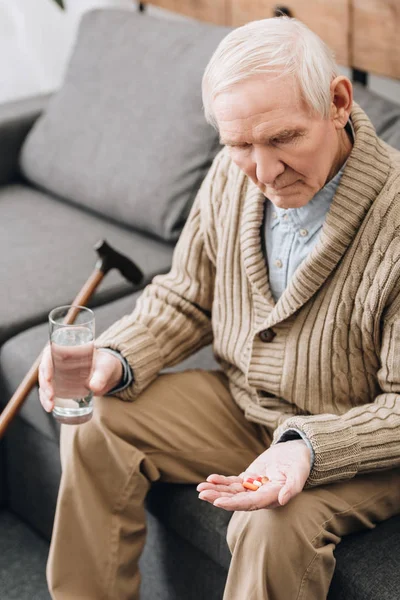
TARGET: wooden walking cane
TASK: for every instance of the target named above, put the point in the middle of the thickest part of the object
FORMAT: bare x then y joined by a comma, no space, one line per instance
108,259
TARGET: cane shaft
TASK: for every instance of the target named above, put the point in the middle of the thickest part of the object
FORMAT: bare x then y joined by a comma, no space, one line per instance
19,396
86,292
30,379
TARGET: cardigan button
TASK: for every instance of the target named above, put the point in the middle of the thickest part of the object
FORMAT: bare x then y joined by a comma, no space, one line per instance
267,335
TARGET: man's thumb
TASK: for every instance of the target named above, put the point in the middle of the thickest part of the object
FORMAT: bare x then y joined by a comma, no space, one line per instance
98,383
284,495
291,488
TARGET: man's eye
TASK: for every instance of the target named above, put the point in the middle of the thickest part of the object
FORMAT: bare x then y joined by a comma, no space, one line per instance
286,140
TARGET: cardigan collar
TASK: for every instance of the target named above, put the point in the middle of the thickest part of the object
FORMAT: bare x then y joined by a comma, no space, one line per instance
365,174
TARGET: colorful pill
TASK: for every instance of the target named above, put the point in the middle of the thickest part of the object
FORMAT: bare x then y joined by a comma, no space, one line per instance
253,479
257,483
250,486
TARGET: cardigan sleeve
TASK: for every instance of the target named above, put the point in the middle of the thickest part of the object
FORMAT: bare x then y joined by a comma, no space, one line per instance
366,437
172,317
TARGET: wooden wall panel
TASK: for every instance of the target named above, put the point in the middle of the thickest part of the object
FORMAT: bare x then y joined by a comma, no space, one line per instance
328,18
376,36
214,11
364,34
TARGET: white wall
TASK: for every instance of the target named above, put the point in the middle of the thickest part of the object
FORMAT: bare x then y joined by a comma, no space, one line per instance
36,38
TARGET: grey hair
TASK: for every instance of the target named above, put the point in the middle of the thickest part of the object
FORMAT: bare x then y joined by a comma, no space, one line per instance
281,45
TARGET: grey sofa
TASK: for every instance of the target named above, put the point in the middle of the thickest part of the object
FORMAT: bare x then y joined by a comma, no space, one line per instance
119,152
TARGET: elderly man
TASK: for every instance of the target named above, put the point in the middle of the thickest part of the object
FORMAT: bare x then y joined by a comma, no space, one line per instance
289,262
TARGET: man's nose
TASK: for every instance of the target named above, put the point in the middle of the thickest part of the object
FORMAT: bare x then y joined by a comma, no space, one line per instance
268,165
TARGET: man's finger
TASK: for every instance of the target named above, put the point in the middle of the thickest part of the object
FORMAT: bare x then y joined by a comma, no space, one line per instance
99,383
47,389
212,495
265,497
221,479
41,375
291,488
47,404
103,369
46,363
48,370
243,501
107,372
45,369
232,487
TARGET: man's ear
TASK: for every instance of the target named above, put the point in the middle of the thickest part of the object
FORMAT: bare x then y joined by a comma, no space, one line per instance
341,101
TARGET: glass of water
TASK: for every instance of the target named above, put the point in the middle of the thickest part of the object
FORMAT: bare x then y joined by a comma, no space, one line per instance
72,347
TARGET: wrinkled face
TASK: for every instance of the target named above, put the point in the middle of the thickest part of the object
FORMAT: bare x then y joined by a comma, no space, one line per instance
287,152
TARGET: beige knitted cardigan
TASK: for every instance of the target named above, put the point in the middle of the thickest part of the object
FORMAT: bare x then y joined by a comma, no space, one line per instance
333,368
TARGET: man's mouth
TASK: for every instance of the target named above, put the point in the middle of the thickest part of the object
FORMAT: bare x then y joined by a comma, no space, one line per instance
282,191
277,190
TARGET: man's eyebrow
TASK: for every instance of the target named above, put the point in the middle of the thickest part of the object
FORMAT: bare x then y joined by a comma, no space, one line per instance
230,143
279,135
287,133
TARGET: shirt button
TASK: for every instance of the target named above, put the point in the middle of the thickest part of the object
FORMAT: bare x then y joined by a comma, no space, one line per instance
278,263
303,232
285,216
267,335
274,215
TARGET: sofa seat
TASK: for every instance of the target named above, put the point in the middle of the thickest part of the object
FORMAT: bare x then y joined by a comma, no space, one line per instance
368,563
197,522
47,254
19,545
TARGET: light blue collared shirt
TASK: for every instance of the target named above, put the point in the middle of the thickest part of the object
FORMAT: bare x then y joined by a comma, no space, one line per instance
290,234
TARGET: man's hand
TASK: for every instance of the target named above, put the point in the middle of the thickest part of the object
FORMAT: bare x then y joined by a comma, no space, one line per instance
287,466
106,374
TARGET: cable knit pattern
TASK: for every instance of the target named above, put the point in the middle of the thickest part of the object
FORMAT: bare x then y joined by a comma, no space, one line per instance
332,370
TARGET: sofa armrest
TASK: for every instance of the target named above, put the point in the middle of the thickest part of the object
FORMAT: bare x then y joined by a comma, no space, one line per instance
2,477
16,119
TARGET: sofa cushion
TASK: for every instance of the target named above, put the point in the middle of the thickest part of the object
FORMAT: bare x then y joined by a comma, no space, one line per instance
23,556
368,564
47,254
18,354
203,525
126,134
2,474
16,119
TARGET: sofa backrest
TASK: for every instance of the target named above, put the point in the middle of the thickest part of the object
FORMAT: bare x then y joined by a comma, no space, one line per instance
384,114
125,136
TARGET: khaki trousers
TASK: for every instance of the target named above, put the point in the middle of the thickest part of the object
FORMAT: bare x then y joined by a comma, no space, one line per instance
184,427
